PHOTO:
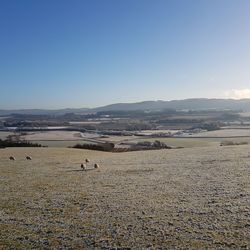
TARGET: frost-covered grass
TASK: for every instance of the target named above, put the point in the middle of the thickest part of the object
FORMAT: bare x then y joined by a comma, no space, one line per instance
193,198
224,133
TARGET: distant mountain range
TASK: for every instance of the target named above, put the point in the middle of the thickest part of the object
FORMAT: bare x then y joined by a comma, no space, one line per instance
186,104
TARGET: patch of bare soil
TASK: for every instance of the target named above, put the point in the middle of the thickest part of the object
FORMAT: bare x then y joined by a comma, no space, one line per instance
196,198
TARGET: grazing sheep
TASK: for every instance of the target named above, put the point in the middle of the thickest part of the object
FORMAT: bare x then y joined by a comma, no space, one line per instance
87,160
12,158
28,157
96,166
83,166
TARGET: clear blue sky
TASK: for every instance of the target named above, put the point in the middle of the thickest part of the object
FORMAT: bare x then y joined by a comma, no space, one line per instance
86,53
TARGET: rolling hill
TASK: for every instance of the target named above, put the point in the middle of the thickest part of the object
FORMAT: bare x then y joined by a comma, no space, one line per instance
186,104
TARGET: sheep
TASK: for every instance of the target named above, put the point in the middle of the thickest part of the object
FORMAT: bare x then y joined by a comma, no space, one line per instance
12,158
83,166
28,157
87,160
96,166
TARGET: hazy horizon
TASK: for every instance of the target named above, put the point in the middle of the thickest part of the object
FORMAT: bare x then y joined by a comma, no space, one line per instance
60,54
107,104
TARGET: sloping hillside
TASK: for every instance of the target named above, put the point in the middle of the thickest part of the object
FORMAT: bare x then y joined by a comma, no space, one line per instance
187,199
189,104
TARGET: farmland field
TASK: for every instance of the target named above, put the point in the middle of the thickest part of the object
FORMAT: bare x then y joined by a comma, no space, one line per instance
61,143
183,142
71,138
52,135
3,134
224,133
192,198
194,141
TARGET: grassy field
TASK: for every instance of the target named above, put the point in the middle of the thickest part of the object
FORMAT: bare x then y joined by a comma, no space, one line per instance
52,135
195,142
183,142
3,134
224,133
175,142
61,144
70,138
193,198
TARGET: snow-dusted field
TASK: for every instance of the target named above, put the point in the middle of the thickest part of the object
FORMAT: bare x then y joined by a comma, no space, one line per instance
57,135
224,133
194,198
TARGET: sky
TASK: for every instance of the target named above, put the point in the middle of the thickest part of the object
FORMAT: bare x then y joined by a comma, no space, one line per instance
88,53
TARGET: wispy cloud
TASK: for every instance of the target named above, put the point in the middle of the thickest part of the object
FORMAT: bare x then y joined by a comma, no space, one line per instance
238,93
